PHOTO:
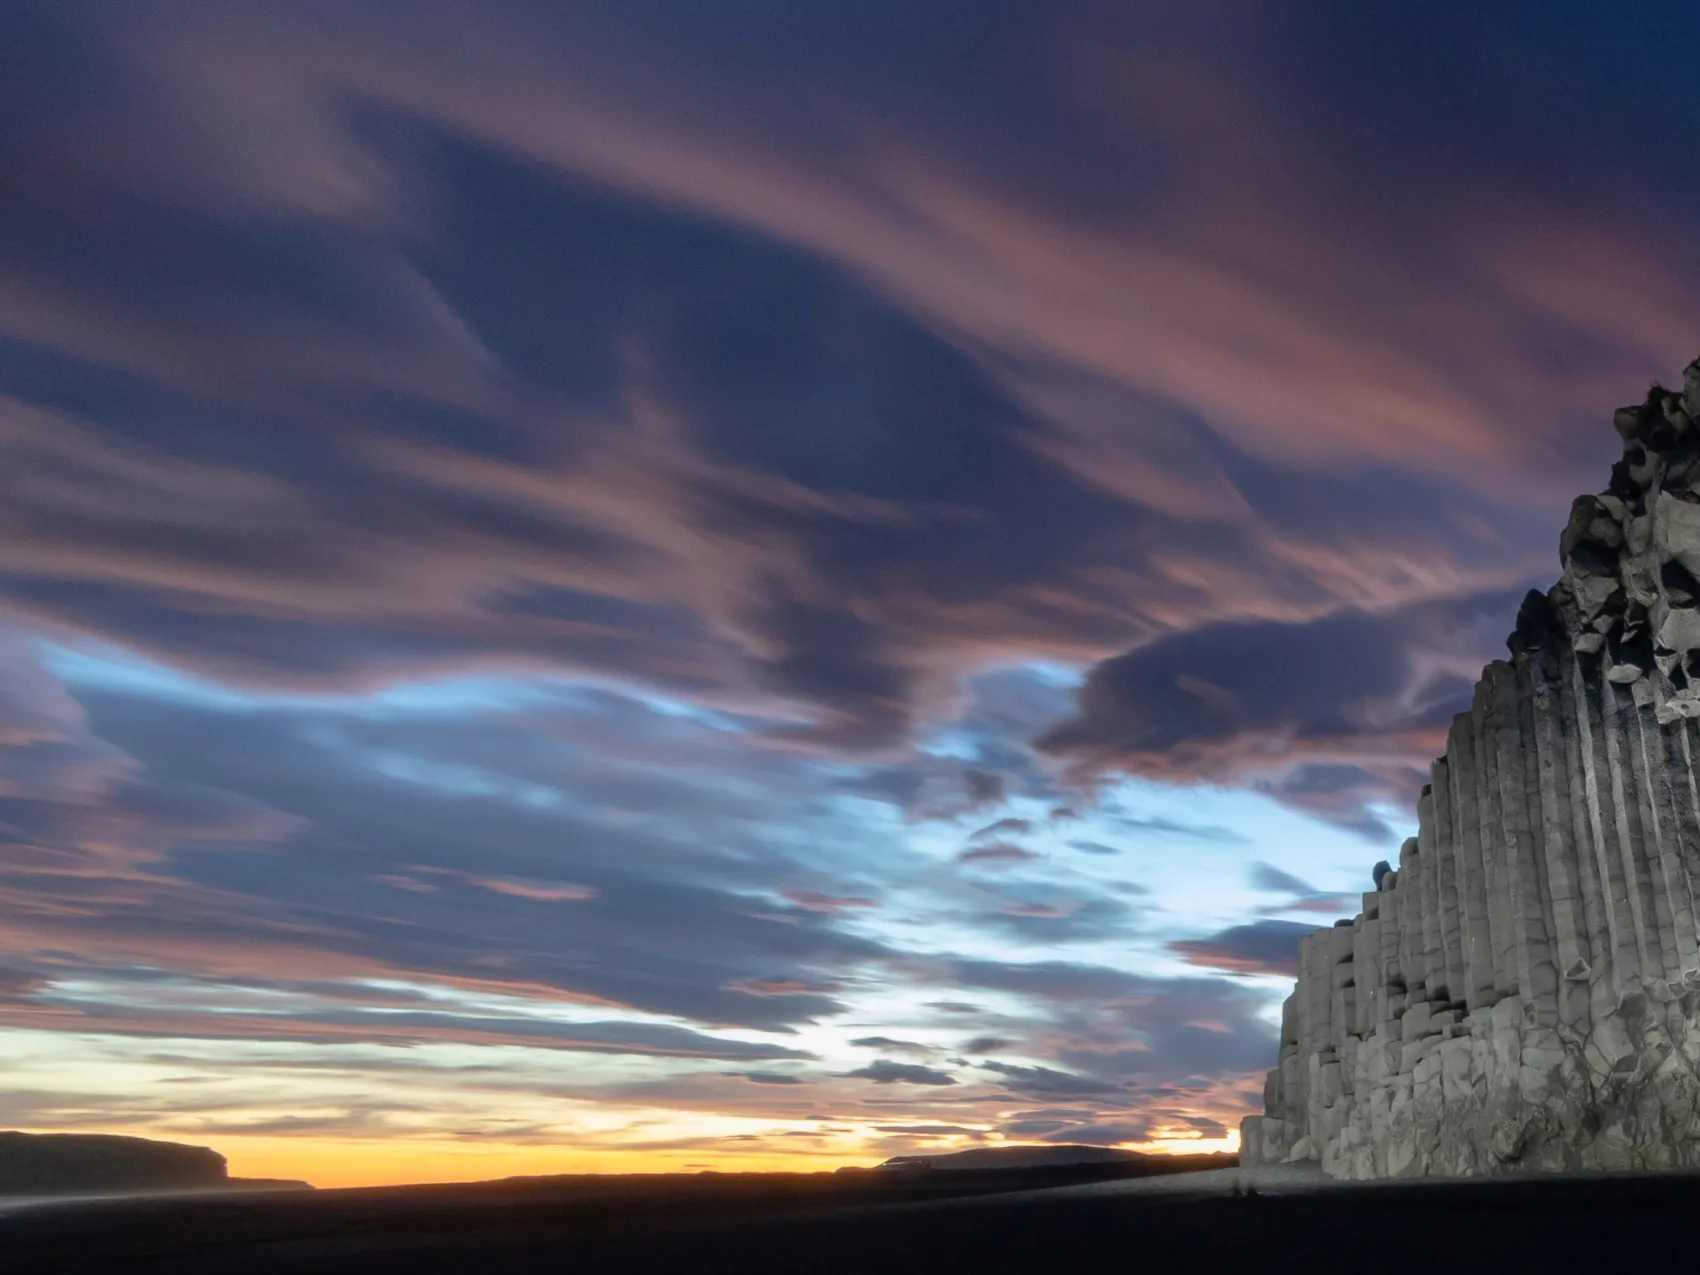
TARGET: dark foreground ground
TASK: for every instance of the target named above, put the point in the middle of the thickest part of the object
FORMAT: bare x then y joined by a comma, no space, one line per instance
761,1225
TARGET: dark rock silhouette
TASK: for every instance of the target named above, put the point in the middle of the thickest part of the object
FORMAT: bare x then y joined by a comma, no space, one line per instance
1023,1157
70,1163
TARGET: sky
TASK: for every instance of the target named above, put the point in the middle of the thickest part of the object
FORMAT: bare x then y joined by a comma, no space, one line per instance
769,584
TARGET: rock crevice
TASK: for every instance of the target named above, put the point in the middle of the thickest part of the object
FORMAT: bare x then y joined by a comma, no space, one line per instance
1522,990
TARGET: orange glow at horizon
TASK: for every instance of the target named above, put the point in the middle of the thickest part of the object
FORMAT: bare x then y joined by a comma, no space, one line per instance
329,1163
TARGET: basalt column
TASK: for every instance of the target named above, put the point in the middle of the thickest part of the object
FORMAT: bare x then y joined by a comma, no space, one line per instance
1522,991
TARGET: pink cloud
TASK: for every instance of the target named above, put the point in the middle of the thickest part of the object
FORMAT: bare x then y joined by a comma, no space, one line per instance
1051,911
537,891
815,901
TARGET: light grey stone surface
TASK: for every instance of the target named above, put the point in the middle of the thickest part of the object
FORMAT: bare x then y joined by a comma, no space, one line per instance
1522,991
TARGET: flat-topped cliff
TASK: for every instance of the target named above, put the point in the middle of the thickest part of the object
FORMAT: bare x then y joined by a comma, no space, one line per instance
95,1163
37,1163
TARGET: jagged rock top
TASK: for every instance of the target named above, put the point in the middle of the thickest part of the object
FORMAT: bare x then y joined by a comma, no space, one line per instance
1630,594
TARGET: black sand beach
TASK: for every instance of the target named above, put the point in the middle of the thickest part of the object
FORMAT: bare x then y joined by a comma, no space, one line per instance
760,1224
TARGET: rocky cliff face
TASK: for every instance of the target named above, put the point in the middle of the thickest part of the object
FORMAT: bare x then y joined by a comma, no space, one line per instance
1523,991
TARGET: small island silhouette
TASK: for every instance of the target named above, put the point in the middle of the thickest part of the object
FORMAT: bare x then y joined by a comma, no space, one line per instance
97,1163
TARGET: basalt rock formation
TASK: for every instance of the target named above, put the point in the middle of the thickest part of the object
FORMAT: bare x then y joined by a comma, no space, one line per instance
1523,990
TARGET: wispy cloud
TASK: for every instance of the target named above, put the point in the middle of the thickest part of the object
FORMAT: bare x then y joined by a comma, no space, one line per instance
1262,947
885,1072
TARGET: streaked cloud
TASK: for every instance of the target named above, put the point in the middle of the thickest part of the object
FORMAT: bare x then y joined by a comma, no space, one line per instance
1262,947
883,1071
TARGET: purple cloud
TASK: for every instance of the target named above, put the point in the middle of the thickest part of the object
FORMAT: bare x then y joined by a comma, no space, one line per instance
885,1072
1262,947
